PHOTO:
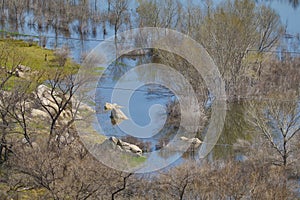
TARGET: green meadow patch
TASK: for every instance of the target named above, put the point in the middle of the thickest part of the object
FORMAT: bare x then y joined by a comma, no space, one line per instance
133,160
15,52
43,63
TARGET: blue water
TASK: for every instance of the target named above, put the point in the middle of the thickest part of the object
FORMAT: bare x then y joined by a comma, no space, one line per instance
289,16
140,110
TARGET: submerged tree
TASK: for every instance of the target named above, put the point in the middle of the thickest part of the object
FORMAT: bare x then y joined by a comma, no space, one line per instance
278,120
228,32
234,28
119,14
159,14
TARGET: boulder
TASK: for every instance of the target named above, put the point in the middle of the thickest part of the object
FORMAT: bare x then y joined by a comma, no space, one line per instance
64,139
24,141
125,146
115,121
47,99
85,107
118,114
23,68
38,113
45,92
114,140
20,74
184,138
21,71
110,106
194,141
135,149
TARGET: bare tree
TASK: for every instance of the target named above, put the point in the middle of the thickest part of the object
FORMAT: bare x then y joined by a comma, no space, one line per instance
12,98
17,16
119,14
234,28
278,121
159,14
177,184
56,100
68,171
123,187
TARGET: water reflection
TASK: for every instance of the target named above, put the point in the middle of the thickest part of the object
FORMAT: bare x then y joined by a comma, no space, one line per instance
141,102
235,127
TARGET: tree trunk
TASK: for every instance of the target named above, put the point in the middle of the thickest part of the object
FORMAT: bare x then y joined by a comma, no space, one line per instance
285,155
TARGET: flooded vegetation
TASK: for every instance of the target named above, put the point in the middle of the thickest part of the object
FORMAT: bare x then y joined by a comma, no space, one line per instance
43,155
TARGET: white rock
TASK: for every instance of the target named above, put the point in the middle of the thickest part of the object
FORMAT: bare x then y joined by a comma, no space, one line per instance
86,107
114,139
20,74
118,114
194,141
135,149
24,141
41,89
24,68
125,146
110,106
184,138
39,113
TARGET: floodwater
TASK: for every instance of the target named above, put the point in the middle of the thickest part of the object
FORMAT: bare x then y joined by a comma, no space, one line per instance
142,112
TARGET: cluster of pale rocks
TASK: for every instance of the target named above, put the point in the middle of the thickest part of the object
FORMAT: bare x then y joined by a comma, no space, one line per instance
125,146
21,71
117,115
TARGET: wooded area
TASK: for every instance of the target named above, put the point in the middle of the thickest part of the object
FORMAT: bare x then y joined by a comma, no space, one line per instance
43,157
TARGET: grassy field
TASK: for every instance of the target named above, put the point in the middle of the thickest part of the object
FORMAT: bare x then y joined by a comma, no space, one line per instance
42,62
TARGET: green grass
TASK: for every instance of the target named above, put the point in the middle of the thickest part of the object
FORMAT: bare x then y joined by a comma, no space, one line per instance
32,55
42,62
136,161
133,161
